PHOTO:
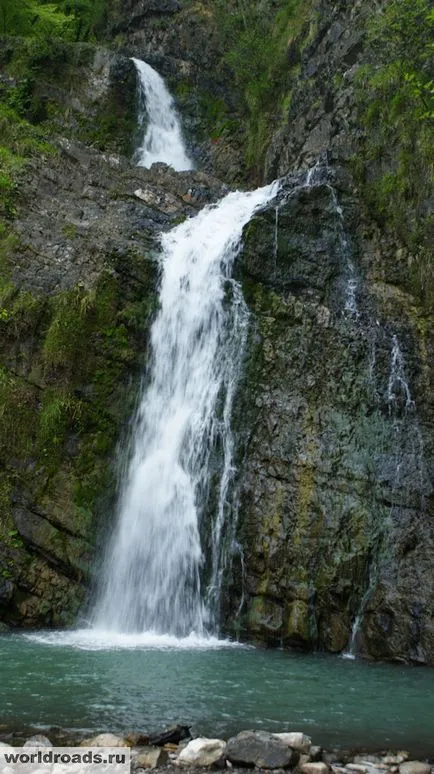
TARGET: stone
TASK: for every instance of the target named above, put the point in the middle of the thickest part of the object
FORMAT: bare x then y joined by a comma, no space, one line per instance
202,752
315,768
105,740
414,767
260,749
149,757
39,740
359,768
297,740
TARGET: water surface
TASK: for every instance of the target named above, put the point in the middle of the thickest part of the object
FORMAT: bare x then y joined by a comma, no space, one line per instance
84,684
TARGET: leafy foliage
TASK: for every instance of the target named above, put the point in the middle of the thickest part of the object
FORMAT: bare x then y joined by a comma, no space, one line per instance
396,94
68,19
257,38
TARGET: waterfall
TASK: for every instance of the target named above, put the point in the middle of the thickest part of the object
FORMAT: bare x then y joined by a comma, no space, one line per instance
163,140
152,574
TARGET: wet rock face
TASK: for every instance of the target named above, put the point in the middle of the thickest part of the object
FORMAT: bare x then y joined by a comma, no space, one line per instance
81,291
335,514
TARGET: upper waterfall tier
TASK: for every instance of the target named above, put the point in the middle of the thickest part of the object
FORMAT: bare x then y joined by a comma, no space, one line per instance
163,140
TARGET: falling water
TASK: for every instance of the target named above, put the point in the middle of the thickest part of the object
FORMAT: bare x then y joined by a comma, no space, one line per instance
152,574
163,140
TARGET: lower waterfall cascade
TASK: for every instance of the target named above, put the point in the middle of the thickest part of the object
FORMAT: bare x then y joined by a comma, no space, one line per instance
152,574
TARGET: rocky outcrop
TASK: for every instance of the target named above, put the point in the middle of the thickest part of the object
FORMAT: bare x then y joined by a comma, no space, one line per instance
335,515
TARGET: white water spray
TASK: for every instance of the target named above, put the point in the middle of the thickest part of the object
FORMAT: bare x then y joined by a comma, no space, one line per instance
163,140
152,575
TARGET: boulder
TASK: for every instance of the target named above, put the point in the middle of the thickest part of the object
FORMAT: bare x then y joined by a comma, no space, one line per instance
202,752
260,749
105,740
149,757
414,767
39,740
297,740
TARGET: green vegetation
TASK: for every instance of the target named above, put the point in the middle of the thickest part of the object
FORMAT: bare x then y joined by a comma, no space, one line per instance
396,96
261,44
68,19
19,140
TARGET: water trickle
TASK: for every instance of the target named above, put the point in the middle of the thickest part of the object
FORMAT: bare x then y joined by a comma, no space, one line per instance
351,283
410,476
353,644
398,385
276,236
163,140
152,575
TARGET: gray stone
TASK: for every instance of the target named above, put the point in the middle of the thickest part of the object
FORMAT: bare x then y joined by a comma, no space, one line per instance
260,749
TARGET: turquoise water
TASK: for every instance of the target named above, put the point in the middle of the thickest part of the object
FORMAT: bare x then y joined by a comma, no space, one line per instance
219,691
